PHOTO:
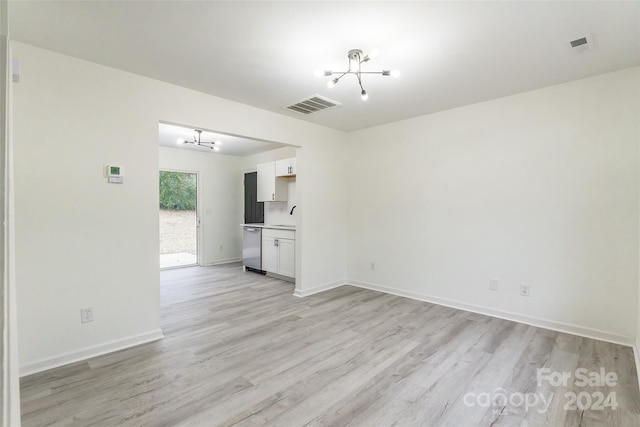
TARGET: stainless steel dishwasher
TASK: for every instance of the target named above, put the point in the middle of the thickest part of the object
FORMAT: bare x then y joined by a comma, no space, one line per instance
252,248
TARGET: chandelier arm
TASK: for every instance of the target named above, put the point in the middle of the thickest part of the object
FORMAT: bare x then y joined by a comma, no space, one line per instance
360,83
200,144
358,74
337,79
343,74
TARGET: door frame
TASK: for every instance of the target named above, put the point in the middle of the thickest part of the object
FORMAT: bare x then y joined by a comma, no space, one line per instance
199,240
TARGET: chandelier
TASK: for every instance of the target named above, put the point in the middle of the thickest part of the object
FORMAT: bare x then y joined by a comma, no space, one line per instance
214,145
356,59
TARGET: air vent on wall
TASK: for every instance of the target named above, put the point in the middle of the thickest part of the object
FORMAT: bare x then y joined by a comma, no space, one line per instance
581,44
313,104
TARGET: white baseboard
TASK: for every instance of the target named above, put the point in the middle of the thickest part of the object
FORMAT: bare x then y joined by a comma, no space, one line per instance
280,277
506,315
221,261
89,352
306,292
636,354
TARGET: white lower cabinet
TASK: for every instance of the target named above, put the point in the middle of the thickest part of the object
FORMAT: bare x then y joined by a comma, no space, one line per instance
278,252
269,253
287,257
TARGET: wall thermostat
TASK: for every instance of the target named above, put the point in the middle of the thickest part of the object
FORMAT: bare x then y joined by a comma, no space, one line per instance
115,174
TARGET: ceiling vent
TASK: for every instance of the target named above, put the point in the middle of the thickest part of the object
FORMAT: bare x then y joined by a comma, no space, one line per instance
313,104
581,44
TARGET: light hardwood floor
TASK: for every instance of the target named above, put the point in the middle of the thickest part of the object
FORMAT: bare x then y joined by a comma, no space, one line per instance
240,350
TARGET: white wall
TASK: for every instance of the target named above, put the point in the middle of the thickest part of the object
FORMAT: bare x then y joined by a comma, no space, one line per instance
249,163
637,343
9,373
538,188
81,242
220,191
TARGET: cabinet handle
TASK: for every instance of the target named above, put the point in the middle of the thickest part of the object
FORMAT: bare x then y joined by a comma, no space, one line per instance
275,242
273,196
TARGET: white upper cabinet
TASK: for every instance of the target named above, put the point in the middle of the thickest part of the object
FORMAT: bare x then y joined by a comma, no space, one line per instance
286,167
270,188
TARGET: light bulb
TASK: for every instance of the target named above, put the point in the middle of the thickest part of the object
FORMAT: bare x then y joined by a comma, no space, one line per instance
218,142
318,73
216,148
364,95
395,73
332,83
374,52
180,141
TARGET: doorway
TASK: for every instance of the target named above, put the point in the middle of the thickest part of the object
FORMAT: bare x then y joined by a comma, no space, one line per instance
179,219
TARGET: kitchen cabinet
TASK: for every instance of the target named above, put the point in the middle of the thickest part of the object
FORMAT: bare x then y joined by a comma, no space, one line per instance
287,257
270,187
286,167
278,252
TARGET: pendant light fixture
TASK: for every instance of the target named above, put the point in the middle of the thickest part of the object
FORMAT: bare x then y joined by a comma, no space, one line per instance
214,145
356,59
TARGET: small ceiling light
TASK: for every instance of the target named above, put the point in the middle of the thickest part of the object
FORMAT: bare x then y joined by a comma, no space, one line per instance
356,58
180,141
197,141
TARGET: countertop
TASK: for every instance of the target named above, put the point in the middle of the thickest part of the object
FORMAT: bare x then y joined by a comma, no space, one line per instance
276,226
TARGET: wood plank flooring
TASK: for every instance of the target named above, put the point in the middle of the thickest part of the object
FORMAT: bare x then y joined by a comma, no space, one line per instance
240,350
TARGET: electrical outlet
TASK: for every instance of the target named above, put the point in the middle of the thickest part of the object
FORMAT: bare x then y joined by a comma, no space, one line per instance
493,284
86,315
372,266
525,290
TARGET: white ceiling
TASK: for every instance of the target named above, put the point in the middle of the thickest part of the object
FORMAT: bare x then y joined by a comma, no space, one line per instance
229,145
264,53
